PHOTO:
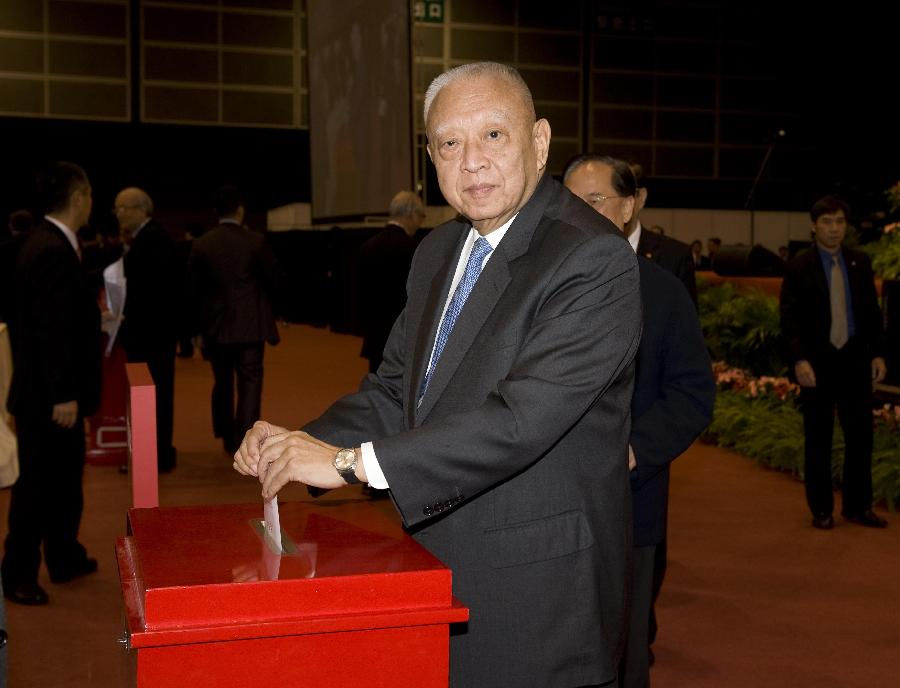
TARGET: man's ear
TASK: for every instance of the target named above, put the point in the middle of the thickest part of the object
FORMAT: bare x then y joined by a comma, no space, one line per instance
540,133
628,208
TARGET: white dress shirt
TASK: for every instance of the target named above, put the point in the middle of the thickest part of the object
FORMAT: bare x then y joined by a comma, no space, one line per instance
374,474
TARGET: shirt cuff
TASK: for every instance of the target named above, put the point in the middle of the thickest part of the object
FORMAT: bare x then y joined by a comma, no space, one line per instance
374,475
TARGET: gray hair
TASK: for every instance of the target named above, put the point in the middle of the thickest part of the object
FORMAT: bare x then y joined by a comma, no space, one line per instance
142,199
406,204
477,69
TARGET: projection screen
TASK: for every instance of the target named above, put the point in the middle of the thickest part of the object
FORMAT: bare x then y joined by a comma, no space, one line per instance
360,121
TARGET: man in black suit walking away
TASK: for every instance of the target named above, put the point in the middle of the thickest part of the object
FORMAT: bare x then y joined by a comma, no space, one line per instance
674,393
55,384
384,262
148,332
832,324
232,276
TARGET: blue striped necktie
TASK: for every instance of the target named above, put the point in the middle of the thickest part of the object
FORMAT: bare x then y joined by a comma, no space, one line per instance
473,269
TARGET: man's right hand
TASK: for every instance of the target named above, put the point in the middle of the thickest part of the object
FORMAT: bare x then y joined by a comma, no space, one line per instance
806,377
246,458
65,414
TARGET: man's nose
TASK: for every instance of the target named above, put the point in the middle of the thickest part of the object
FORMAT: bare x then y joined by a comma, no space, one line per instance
473,157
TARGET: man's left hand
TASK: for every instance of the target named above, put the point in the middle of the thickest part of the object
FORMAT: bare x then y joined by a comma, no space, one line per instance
298,457
879,370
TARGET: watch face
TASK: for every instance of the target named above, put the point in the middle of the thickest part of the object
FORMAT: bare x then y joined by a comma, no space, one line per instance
344,459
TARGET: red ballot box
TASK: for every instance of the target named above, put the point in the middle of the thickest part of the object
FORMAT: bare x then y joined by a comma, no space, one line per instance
210,601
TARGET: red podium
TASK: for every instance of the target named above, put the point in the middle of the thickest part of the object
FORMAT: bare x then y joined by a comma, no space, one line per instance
210,601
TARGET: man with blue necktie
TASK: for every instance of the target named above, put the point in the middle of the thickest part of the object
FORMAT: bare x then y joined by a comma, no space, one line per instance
499,417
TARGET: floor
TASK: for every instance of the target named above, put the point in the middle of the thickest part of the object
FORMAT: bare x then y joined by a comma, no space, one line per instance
754,595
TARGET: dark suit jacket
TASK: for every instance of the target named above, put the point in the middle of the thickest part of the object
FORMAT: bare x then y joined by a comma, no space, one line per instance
806,307
232,274
9,252
674,393
151,304
513,470
670,254
384,262
55,329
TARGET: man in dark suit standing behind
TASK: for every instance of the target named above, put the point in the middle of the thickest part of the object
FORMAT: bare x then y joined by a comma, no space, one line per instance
674,393
832,323
384,262
55,384
232,276
148,332
668,253
499,416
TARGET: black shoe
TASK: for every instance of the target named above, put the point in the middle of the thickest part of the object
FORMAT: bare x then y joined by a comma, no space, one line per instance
867,518
31,594
84,567
823,521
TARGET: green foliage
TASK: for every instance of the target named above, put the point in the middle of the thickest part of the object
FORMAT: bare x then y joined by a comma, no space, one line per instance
770,431
885,255
742,328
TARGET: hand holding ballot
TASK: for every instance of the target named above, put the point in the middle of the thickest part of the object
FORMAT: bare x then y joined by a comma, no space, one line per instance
278,456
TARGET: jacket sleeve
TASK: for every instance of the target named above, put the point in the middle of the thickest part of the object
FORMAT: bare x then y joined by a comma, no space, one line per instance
793,316
869,302
687,392
57,307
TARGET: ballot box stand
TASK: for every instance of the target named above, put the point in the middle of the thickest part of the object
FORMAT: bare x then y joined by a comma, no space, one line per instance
141,424
107,430
211,600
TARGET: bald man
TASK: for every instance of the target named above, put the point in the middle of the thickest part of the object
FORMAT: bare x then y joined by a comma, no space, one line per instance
384,262
673,398
148,331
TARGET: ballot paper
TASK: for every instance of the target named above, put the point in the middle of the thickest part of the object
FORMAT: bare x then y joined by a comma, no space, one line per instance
271,522
114,285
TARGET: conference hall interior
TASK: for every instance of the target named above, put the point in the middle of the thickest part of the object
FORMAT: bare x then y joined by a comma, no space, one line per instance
248,196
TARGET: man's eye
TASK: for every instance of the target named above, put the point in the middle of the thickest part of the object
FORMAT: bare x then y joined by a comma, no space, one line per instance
494,134
449,144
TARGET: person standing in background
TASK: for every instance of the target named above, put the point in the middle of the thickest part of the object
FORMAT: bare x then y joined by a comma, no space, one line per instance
55,385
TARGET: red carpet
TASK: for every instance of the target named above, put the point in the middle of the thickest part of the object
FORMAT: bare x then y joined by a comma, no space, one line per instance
754,595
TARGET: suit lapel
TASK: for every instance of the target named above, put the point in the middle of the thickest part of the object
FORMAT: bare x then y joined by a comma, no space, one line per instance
484,296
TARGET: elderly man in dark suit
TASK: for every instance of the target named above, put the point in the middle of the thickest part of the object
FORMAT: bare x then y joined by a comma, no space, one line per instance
148,332
499,417
384,262
832,324
55,384
232,275
674,393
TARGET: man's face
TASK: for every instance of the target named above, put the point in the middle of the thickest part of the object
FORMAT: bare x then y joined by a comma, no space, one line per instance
487,153
592,182
129,213
829,230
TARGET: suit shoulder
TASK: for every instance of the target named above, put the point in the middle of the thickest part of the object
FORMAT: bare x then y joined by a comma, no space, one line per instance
674,245
659,285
